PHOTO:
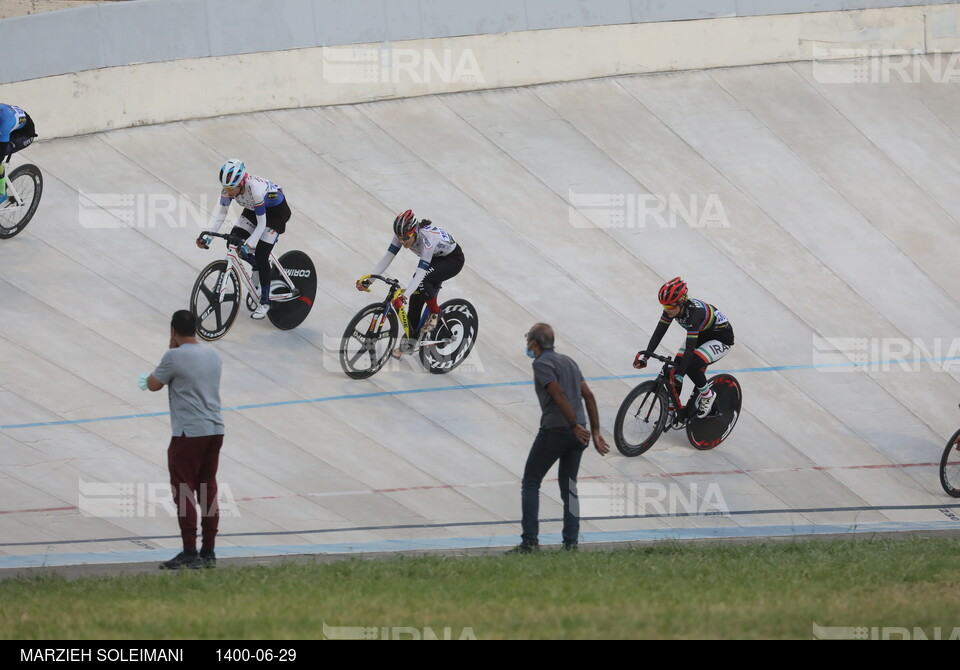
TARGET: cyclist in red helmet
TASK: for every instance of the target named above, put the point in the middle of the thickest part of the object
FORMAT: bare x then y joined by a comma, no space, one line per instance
709,338
441,258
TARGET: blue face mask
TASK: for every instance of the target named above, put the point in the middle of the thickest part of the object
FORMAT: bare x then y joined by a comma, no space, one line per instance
531,354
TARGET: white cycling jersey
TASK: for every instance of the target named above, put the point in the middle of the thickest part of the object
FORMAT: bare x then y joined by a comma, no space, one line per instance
431,241
257,194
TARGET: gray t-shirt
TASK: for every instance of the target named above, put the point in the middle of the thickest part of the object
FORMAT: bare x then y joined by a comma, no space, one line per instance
548,367
191,373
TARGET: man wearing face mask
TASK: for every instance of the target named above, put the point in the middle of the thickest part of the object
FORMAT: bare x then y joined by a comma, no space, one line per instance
562,437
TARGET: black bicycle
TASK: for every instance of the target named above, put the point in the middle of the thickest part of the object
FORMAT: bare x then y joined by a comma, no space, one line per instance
373,334
24,188
950,466
644,414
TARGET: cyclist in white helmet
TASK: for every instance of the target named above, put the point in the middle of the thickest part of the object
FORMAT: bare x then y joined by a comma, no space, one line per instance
263,220
441,258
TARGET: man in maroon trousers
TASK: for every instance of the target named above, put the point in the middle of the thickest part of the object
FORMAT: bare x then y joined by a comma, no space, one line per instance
191,372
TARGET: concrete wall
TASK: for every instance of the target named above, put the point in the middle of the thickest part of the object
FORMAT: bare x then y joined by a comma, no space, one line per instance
144,31
405,54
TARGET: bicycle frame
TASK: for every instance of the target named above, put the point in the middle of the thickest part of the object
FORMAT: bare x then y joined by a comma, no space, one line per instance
395,292
665,380
12,194
234,261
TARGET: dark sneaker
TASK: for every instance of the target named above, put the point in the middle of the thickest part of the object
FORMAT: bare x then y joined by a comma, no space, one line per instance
208,558
569,546
524,548
184,559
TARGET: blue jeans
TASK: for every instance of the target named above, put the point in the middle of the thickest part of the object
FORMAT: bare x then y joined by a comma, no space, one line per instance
551,445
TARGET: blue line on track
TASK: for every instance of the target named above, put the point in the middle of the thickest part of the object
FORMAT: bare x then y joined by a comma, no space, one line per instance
467,387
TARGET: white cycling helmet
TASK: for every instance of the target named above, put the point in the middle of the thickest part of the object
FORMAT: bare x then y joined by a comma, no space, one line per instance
232,173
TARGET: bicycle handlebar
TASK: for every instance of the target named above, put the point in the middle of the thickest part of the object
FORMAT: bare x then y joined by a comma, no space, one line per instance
232,239
393,282
662,359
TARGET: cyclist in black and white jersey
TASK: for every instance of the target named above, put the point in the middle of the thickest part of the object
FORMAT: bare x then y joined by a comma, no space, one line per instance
441,258
263,220
709,338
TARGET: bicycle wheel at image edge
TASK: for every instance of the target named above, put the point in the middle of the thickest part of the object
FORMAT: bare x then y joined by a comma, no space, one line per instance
214,317
458,328
640,420
950,466
711,430
28,184
291,313
368,341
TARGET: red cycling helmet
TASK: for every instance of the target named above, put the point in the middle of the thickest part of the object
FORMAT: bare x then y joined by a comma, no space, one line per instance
405,224
673,292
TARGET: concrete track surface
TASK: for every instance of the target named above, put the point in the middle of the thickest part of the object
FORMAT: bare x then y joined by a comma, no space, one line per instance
821,218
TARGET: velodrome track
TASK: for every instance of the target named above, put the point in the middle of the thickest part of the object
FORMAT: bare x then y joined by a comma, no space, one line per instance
821,211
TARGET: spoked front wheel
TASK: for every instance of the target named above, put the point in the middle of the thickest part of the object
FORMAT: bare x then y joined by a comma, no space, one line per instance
950,466
368,341
215,300
24,188
452,341
641,419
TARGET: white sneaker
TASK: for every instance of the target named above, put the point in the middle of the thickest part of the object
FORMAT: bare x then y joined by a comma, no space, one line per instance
431,323
705,403
261,311
671,417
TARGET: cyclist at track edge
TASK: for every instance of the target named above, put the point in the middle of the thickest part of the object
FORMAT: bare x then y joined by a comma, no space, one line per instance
709,338
263,220
16,132
441,258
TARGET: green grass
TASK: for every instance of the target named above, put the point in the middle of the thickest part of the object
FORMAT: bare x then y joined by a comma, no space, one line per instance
669,590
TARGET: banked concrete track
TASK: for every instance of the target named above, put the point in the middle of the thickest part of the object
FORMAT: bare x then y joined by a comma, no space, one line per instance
819,217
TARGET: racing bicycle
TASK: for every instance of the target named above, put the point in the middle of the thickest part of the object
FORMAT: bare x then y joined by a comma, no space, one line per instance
644,414
950,466
372,335
24,188
215,299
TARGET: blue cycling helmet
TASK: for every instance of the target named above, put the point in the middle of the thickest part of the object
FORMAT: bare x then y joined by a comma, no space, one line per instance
232,173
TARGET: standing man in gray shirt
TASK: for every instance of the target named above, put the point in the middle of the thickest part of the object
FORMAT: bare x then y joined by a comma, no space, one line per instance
562,393
191,372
